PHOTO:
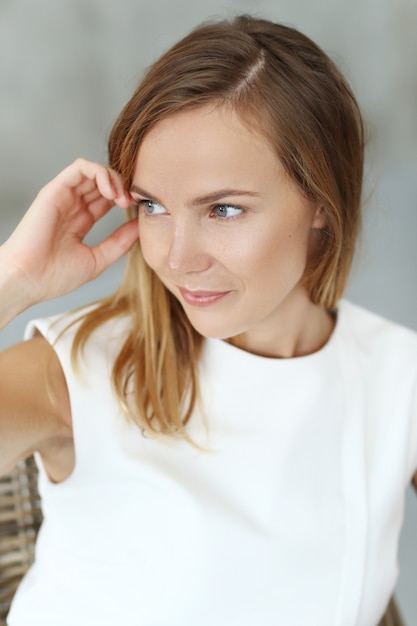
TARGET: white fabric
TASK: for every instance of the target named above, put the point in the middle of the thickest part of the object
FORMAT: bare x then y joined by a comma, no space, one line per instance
291,518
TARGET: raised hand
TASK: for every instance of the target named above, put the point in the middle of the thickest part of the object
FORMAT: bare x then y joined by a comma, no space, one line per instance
46,256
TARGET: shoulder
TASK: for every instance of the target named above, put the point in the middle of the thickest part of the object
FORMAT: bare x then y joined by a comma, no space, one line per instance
60,331
34,408
375,335
33,371
384,355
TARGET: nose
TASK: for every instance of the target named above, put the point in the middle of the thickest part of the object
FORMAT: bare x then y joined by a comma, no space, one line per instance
187,249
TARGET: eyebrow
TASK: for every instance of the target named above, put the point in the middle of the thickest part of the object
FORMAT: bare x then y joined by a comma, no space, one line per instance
206,199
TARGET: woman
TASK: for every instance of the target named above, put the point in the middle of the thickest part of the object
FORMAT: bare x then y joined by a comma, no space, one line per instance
251,433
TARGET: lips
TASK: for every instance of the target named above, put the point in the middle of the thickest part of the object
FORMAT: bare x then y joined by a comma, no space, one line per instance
202,298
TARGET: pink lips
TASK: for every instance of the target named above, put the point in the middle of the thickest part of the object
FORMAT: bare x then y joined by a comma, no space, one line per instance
202,298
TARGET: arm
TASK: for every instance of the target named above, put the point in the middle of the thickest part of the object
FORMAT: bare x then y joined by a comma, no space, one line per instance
34,409
45,257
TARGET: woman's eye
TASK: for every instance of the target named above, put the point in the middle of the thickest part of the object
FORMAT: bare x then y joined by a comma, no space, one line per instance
151,208
227,210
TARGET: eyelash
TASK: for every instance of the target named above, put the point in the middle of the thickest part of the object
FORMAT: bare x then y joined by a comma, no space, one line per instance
144,202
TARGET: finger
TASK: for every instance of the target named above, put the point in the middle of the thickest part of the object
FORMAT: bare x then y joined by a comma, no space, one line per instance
96,203
80,171
118,185
108,181
99,206
115,246
94,196
110,185
87,187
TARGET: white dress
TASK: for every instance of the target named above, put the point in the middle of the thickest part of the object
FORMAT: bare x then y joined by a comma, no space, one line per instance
291,518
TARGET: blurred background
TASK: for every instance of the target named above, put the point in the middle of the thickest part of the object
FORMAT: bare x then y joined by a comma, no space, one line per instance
68,66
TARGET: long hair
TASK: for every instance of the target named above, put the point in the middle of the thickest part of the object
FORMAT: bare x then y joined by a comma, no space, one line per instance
279,81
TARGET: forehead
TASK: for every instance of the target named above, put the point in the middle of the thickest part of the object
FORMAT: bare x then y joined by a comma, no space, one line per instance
211,141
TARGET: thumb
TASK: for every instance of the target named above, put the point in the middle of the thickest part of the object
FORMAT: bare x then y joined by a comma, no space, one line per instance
115,246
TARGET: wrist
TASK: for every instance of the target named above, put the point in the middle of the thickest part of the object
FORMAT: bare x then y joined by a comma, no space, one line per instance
13,294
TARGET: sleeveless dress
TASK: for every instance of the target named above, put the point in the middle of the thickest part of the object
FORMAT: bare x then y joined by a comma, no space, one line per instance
290,517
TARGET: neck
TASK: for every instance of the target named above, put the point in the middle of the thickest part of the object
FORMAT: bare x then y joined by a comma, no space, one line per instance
298,329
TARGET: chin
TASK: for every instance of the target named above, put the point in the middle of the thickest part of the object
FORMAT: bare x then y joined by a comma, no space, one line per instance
215,331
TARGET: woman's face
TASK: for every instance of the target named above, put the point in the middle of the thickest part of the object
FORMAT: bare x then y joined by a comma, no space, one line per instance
222,225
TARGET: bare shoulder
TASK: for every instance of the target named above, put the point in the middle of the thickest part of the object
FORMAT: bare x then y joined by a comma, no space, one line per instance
34,408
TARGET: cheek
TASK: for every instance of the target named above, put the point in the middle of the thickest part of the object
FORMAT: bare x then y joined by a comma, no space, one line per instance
277,259
275,246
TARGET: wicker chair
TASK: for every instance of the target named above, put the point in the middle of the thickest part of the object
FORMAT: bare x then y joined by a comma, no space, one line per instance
20,518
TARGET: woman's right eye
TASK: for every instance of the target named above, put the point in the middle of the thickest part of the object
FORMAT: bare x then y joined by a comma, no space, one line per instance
151,208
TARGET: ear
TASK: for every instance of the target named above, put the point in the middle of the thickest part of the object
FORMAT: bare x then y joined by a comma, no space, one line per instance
319,218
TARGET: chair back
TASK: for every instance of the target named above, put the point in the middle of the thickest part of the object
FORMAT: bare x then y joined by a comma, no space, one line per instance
20,518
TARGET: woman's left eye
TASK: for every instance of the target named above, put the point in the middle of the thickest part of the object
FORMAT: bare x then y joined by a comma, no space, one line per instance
227,210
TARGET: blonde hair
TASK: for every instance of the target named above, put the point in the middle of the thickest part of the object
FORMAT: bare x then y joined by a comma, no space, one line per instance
279,80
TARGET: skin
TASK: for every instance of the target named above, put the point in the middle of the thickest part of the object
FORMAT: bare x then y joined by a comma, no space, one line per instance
219,215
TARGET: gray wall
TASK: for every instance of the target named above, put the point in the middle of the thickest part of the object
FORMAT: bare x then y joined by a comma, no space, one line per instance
67,67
